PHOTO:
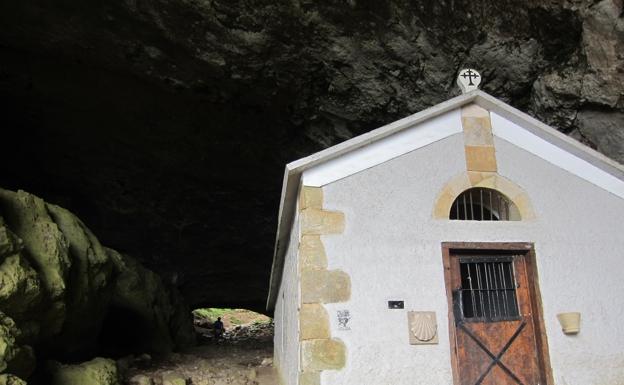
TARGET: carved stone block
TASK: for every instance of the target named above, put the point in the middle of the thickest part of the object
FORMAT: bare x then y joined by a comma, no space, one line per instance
423,327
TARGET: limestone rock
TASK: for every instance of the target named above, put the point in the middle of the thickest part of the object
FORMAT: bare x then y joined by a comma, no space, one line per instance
20,289
57,285
18,284
9,243
68,265
584,97
141,379
46,249
603,43
604,129
9,379
556,97
15,358
89,285
29,219
99,371
23,362
166,320
8,334
173,379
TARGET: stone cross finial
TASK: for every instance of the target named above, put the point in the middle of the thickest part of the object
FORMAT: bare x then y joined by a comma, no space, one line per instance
468,80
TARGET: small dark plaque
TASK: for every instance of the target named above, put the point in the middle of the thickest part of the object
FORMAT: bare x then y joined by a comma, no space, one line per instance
395,305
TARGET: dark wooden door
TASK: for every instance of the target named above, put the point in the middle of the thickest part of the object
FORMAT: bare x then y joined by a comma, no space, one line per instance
493,318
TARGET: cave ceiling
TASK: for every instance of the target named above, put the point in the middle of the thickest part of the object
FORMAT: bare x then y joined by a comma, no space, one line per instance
165,125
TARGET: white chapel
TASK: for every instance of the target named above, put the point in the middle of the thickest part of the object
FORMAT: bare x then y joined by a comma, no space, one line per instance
466,244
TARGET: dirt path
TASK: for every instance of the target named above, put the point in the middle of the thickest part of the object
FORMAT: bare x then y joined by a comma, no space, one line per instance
243,358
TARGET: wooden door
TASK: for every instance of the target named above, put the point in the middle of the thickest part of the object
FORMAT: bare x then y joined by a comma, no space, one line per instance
494,317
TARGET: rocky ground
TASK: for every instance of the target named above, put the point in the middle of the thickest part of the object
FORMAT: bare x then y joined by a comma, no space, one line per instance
243,357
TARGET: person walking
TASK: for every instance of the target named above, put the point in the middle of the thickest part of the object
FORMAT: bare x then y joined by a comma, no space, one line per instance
218,329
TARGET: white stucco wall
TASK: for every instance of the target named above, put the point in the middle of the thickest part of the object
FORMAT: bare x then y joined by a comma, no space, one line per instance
286,339
391,248
580,256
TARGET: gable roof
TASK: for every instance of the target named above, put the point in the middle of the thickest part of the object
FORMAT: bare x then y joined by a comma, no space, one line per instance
563,150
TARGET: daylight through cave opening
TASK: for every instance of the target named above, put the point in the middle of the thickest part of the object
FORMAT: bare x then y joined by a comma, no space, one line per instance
239,325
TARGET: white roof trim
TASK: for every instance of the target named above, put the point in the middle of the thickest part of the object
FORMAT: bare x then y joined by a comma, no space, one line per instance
539,130
514,134
390,147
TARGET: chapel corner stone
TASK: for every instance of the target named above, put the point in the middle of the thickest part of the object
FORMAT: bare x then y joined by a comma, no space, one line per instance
323,354
321,222
312,252
313,322
325,286
310,378
310,197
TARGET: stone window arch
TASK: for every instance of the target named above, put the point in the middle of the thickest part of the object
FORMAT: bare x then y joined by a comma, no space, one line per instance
522,209
483,204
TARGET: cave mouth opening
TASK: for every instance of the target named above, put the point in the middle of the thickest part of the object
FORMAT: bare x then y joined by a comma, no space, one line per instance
240,325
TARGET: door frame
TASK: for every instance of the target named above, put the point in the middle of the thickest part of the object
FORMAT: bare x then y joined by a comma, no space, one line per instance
528,250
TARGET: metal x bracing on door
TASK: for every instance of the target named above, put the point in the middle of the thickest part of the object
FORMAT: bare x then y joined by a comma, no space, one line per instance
495,358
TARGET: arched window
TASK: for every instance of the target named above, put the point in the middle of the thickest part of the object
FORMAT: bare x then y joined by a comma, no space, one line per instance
483,204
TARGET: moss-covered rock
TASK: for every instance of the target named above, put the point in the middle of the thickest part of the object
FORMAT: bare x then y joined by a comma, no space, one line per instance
173,378
19,285
140,379
50,254
23,362
46,248
88,285
58,285
15,358
9,242
8,345
28,217
20,289
99,371
9,379
142,292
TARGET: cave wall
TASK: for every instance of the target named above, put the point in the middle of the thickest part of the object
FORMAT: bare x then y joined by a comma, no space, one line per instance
165,124
66,297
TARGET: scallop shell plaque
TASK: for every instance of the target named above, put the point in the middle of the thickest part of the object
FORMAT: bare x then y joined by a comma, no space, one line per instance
423,328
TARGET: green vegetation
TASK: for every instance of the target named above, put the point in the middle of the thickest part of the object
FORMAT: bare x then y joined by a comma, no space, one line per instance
211,313
231,317
235,321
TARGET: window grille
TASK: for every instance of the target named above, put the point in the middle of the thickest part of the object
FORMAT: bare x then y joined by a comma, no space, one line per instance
488,289
483,204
